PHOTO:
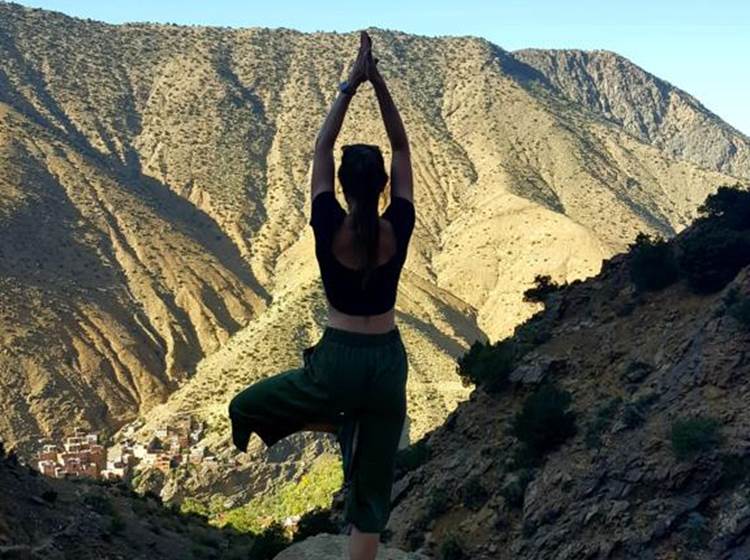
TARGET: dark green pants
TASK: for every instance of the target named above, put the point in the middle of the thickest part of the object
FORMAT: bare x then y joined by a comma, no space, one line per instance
345,375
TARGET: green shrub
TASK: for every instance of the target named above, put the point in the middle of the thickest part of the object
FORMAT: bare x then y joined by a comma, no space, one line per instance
696,530
473,494
452,549
536,330
634,413
487,365
544,423
729,205
438,503
412,457
116,524
193,506
543,288
739,308
712,257
602,421
313,523
652,264
734,470
269,543
314,489
691,436
515,491
207,539
100,504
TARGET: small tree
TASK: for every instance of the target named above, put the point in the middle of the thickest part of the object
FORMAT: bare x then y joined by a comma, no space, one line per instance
691,436
487,365
413,456
652,264
731,205
543,287
712,258
544,422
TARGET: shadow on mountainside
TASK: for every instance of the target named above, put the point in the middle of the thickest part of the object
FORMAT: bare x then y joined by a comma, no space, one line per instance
180,213
612,424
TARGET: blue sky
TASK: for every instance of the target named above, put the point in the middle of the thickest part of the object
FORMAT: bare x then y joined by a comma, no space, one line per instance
699,46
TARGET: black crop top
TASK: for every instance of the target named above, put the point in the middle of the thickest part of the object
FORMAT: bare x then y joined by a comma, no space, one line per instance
343,284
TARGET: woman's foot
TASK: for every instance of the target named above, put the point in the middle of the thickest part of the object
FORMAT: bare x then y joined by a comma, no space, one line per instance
363,546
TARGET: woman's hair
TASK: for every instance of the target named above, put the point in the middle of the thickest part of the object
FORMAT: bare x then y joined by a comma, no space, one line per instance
363,177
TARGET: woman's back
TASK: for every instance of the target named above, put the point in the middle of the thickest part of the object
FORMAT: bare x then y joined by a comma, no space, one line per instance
357,303
346,250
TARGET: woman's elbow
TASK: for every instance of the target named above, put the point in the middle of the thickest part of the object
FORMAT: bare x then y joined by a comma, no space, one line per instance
322,144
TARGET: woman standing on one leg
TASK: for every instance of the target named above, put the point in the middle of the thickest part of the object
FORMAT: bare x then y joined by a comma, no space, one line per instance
353,379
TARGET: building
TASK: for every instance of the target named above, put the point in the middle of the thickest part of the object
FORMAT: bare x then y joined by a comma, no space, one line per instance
81,455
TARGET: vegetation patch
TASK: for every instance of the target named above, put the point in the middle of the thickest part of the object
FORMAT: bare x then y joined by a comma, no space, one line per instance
653,265
515,491
542,289
412,457
313,490
601,422
730,206
691,436
634,413
269,542
100,504
696,530
738,307
452,549
473,494
720,247
713,257
314,523
488,365
734,470
543,424
438,503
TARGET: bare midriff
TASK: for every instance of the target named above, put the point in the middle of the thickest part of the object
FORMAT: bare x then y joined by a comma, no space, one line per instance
367,324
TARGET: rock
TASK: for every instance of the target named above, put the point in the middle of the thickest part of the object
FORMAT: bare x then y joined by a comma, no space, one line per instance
331,547
537,371
636,372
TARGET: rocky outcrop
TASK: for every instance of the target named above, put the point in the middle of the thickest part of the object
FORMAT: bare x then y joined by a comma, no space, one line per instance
649,108
645,372
334,547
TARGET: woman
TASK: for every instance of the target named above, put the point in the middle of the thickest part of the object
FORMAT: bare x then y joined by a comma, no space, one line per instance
353,380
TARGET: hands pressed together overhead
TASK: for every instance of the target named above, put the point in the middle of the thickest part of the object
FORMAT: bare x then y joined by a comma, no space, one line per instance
364,67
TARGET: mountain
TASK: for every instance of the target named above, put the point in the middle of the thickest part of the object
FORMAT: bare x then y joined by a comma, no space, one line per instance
155,252
648,108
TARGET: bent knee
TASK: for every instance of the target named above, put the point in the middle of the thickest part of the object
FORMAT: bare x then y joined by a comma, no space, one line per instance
237,406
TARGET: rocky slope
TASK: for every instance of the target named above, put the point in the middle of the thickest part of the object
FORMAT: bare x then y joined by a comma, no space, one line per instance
59,519
329,547
649,108
154,203
657,465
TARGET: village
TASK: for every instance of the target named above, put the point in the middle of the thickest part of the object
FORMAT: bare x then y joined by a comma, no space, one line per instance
83,454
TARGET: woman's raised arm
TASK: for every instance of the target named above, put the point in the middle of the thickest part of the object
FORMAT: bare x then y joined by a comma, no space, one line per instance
323,165
401,174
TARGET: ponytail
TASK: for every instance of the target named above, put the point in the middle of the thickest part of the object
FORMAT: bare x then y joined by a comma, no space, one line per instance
367,232
363,177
